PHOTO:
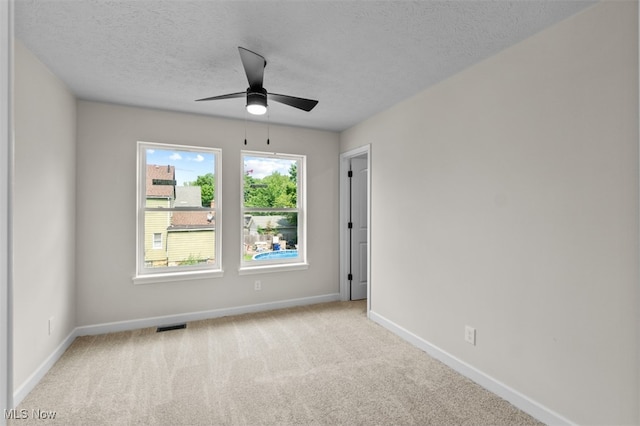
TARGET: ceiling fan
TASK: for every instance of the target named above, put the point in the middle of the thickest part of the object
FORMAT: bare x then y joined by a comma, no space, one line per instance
257,95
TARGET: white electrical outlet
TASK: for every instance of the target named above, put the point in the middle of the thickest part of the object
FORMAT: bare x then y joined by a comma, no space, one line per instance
470,335
257,285
50,326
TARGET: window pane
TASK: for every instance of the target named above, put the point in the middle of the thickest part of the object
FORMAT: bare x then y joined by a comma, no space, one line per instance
177,178
189,237
270,182
177,209
269,236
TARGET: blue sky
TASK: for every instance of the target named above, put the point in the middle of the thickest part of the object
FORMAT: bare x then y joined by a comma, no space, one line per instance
189,164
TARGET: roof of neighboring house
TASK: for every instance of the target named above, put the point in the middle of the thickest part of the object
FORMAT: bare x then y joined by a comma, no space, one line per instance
192,220
188,196
275,221
166,173
185,196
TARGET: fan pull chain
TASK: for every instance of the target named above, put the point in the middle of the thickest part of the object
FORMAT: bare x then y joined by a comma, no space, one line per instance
268,125
245,127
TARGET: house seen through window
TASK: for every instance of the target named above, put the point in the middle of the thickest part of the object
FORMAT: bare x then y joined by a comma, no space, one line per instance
177,208
157,240
273,213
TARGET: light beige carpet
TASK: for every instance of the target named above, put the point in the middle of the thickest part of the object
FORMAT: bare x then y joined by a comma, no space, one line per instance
313,365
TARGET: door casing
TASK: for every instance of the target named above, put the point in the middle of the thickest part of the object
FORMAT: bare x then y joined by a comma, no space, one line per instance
345,248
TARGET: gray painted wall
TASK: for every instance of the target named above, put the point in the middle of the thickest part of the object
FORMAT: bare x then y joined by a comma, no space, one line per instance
6,130
519,179
44,214
106,225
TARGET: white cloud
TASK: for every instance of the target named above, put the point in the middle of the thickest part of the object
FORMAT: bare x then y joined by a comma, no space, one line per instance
198,158
261,167
175,156
151,151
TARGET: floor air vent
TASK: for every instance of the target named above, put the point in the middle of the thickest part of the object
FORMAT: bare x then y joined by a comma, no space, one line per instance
171,327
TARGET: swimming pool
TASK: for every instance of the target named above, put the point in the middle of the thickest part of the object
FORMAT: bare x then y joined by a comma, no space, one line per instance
278,254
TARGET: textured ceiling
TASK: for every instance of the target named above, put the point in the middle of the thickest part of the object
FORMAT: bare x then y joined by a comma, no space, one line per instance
356,57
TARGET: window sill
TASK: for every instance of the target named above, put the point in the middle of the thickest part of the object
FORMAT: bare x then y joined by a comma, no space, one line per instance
252,270
177,276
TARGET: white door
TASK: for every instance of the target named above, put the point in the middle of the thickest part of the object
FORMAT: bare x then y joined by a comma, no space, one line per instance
359,225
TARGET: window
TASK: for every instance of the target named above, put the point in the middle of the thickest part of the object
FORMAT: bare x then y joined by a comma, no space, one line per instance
273,211
157,240
178,212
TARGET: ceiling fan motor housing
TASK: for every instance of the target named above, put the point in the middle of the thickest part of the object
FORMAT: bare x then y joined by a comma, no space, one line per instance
257,96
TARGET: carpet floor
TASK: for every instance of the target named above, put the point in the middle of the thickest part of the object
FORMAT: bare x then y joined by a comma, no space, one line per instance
324,364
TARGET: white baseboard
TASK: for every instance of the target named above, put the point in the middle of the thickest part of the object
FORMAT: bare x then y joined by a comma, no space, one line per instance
201,315
112,327
519,400
37,375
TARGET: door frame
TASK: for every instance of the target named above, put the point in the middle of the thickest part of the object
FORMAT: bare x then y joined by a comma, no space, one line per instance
345,159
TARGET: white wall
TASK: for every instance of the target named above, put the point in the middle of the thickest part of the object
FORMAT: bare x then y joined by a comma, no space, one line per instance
106,221
516,182
6,131
43,214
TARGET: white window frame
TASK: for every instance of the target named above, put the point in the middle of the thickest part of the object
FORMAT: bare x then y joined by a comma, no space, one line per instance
247,268
145,275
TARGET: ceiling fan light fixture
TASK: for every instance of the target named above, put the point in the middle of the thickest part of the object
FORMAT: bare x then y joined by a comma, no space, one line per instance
256,109
257,102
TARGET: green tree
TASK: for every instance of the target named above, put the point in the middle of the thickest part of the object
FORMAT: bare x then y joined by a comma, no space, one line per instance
207,185
249,188
275,190
292,191
293,172
280,190
256,193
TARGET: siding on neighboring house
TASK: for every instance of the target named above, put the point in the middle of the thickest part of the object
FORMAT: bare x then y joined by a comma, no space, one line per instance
186,245
158,222
191,237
